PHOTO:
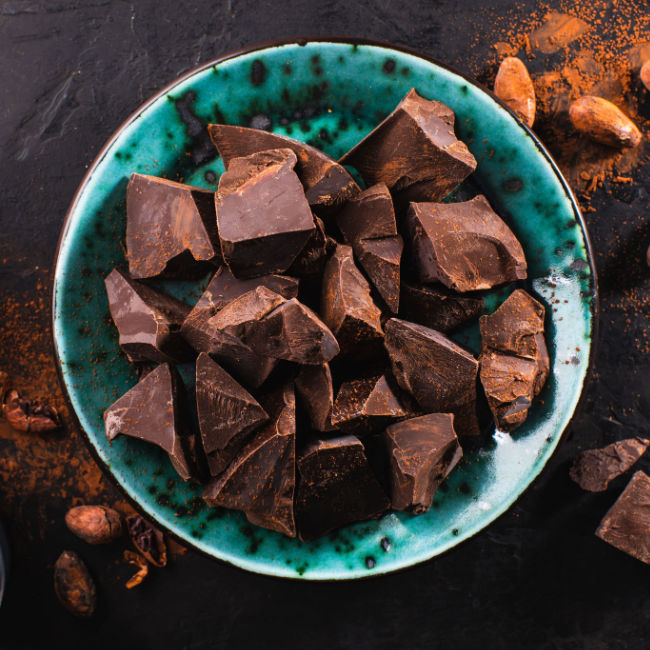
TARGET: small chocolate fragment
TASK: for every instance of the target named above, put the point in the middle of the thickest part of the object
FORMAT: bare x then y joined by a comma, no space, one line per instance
436,371
593,469
148,321
227,413
346,305
261,479
150,411
165,219
147,540
365,406
143,568
314,387
29,416
437,307
626,526
312,258
466,245
336,487
74,586
327,184
94,524
263,216
414,150
422,452
380,259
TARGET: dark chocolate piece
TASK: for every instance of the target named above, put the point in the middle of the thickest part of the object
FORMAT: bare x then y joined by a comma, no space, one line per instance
593,469
314,387
422,452
148,321
346,305
436,371
514,358
326,183
261,479
164,220
466,246
368,225
626,526
227,413
415,150
365,406
336,487
312,258
150,411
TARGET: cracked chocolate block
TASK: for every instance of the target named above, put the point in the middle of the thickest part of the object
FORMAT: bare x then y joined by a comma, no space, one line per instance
151,412
263,217
261,479
169,227
465,246
346,304
414,151
365,406
312,258
227,413
593,469
148,321
626,526
437,372
326,183
337,486
314,387
422,453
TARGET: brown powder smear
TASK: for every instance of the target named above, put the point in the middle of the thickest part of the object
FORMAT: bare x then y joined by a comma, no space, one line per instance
557,31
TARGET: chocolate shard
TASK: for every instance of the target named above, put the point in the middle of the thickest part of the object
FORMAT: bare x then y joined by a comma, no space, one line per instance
626,526
227,413
314,387
164,221
346,304
422,453
326,183
148,321
380,259
593,469
414,150
466,245
336,487
151,411
365,406
261,479
263,217
437,307
514,358
439,374
312,258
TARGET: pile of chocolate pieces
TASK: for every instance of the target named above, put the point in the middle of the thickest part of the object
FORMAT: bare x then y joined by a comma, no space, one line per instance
327,388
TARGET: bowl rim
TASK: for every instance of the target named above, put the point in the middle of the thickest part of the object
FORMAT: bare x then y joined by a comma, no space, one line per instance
594,306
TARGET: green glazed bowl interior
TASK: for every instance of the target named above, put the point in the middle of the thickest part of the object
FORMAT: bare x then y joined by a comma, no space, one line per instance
329,94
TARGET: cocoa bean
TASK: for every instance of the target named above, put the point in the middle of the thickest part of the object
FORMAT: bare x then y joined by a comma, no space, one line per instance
74,586
29,416
94,524
514,87
604,122
148,541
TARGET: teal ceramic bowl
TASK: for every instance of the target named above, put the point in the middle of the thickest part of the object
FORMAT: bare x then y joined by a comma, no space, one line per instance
329,93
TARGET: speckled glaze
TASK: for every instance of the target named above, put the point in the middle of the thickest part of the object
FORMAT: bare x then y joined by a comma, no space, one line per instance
329,94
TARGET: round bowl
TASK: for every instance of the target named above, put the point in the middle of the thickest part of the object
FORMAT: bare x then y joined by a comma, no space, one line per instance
329,93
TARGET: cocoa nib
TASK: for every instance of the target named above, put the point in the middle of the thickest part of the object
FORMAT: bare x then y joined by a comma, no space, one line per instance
74,586
29,416
147,540
143,568
94,524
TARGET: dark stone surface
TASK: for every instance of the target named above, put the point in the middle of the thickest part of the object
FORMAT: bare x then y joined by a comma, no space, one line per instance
537,578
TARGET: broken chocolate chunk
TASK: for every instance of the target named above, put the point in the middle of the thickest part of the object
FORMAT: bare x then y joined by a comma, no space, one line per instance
150,411
439,374
227,413
148,321
626,526
263,217
422,453
312,258
593,469
164,221
336,487
327,184
466,245
346,304
380,259
414,150
365,406
437,307
261,480
314,387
